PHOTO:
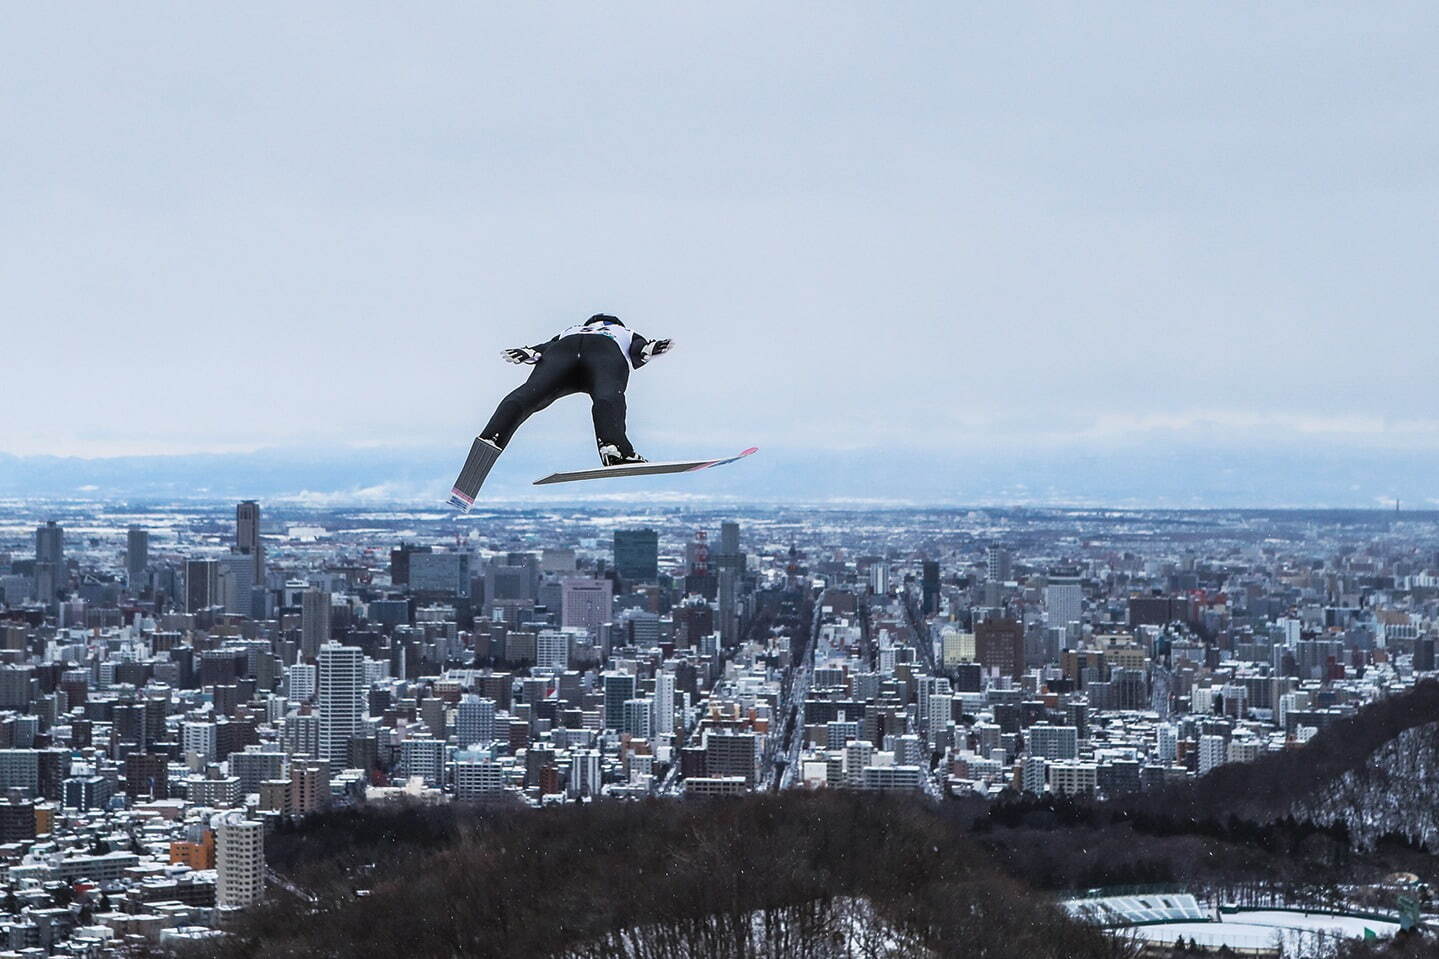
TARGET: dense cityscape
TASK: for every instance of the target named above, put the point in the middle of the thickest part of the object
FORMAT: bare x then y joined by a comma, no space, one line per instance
182,680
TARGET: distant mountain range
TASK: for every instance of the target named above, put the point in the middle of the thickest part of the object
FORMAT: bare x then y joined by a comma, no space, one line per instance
1116,476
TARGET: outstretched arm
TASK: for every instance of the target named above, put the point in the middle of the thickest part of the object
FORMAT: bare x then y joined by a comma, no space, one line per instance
643,350
526,354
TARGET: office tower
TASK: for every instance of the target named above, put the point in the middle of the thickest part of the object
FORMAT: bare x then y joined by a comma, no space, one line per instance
998,565
137,557
999,646
728,607
1063,604
664,719
475,720
50,544
726,555
239,859
879,578
202,584
636,554
247,538
400,562
314,622
441,574
857,755
929,587
235,580
342,699
619,689
586,603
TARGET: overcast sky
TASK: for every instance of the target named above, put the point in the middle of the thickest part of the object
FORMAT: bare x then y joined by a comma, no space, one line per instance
866,225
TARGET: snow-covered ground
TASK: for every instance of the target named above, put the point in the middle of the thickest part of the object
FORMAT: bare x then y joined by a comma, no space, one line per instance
1297,931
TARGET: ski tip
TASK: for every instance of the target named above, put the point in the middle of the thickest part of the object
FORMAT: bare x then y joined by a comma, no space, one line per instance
460,501
752,449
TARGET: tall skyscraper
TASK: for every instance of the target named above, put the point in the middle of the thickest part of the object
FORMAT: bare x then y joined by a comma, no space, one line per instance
49,560
202,584
997,562
247,536
137,556
637,554
342,700
314,622
729,543
239,860
50,544
929,587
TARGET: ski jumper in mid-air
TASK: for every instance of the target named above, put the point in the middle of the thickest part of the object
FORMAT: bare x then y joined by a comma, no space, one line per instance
595,358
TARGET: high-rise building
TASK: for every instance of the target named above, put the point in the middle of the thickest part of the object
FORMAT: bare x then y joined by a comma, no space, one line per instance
50,544
584,773
1213,751
301,682
239,860
202,584
424,757
637,554
236,581
314,622
664,719
999,645
586,603
638,715
552,649
441,574
137,557
997,564
1063,604
619,689
247,538
729,753
342,699
929,587
475,720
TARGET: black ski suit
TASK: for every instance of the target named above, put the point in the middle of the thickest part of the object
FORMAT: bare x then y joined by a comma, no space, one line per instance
590,362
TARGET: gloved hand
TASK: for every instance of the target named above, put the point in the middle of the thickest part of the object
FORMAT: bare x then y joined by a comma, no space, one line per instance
655,347
521,355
